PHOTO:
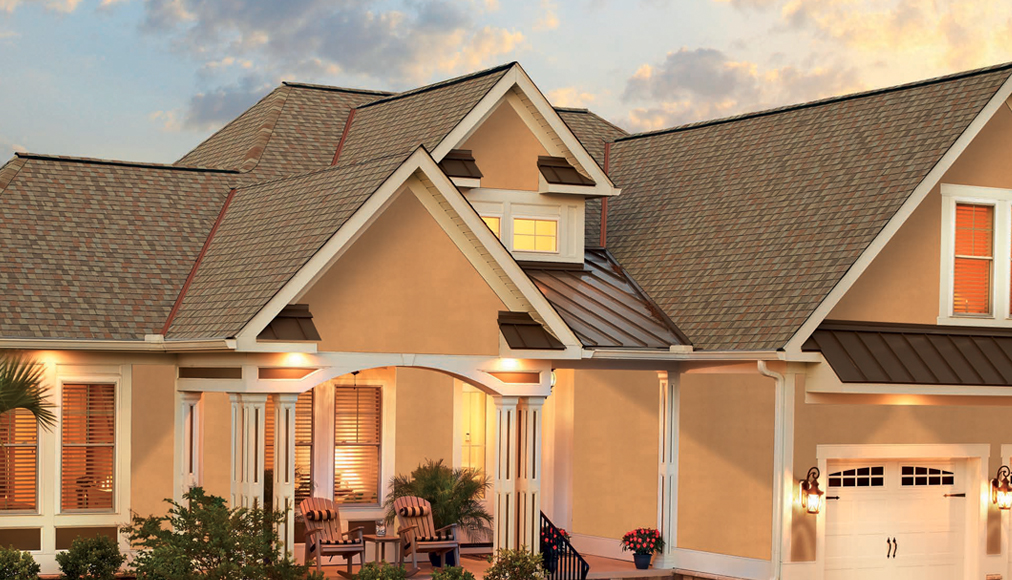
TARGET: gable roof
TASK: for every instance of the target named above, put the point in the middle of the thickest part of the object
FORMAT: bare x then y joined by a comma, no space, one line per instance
97,249
739,228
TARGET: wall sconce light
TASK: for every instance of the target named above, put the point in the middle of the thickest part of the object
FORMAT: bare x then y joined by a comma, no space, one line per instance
812,497
1001,492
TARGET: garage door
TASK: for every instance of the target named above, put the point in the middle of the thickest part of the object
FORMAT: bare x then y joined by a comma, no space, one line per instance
896,520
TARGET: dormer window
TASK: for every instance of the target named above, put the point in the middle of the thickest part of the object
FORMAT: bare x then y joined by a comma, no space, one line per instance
535,235
976,256
460,167
494,223
556,175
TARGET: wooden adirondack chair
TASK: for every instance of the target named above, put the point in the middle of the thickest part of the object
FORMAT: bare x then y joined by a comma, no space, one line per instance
419,534
324,536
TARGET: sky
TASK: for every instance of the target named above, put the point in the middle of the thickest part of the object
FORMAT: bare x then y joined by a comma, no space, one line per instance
148,80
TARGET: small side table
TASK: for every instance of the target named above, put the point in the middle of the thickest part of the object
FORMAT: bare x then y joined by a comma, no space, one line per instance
381,545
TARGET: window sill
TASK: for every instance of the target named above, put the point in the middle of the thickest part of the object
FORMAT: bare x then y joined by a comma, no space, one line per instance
982,321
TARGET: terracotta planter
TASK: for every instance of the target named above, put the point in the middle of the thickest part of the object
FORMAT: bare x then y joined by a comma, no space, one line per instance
642,561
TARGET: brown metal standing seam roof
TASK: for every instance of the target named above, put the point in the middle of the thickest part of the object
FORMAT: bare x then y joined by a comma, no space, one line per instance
603,306
865,352
739,228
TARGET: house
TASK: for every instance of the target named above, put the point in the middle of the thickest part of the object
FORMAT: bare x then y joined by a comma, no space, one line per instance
667,329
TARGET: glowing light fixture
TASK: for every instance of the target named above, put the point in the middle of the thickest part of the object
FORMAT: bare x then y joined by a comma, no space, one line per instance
1001,492
812,498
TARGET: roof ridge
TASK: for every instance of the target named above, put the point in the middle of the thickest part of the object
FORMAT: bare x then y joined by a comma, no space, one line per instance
571,109
264,133
121,163
819,102
439,85
300,85
592,113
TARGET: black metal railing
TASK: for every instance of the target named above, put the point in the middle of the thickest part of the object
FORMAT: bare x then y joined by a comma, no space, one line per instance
561,560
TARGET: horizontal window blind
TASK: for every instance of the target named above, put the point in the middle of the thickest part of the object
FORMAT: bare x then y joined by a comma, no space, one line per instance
88,450
357,430
303,448
974,256
19,442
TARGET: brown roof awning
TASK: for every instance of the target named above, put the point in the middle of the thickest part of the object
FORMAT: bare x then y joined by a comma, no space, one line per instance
293,323
864,352
460,163
558,170
524,333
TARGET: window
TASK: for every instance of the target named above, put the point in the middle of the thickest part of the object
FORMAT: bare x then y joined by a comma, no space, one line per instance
88,454
858,477
494,223
357,444
19,442
976,256
303,447
973,259
535,235
925,476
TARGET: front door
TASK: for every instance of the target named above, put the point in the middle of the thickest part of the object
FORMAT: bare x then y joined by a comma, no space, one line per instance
475,436
895,520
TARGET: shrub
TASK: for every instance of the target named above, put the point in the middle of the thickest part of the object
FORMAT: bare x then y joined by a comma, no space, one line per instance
381,571
515,565
451,573
206,540
17,565
91,559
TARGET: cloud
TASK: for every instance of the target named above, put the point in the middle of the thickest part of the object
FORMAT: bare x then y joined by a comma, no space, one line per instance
8,148
9,35
53,5
570,97
694,85
549,19
209,110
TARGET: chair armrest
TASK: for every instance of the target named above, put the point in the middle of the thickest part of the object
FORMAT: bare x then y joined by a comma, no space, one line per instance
359,531
451,527
404,531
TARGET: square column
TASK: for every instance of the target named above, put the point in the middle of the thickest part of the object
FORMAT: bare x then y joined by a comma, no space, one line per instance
667,470
506,459
284,465
248,423
189,441
529,473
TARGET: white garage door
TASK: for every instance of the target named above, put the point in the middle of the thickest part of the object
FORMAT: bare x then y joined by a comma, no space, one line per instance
895,520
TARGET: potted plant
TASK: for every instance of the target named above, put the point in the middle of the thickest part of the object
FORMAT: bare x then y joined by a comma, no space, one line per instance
643,543
455,495
552,542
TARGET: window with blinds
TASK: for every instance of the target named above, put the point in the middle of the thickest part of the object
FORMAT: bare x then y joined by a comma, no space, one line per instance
303,448
357,444
88,447
19,443
974,259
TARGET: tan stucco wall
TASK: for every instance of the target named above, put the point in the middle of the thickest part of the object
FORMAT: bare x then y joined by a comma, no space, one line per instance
842,423
217,442
506,151
405,287
726,439
151,437
424,418
902,283
614,452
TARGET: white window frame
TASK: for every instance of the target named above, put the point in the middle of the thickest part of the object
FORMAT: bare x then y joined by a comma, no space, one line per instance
1001,200
117,452
536,218
501,218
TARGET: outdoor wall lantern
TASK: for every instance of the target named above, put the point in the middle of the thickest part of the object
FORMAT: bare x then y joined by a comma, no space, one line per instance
1001,493
812,497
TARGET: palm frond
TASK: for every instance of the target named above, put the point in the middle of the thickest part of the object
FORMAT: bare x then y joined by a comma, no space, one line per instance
21,388
455,495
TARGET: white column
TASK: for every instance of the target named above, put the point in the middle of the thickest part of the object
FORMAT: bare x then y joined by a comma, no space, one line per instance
248,448
190,443
506,460
284,464
529,473
667,472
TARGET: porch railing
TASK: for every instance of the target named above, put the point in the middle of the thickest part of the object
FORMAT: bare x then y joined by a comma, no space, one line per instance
562,561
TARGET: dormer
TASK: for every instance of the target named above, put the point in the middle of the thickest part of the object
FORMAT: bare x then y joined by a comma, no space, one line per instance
527,176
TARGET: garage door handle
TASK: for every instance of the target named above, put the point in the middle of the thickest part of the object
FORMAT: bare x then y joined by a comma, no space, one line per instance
896,546
889,549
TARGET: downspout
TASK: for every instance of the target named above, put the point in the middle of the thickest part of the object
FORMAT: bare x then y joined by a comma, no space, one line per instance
604,202
779,437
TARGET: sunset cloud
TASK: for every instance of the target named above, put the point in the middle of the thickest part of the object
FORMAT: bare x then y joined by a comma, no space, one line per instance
570,97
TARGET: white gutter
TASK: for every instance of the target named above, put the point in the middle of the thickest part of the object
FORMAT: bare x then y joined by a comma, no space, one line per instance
147,345
779,437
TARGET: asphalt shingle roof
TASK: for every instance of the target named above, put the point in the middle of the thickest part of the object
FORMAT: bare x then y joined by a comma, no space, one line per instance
739,228
96,250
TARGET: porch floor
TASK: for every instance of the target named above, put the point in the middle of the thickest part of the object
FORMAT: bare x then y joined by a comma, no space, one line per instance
600,569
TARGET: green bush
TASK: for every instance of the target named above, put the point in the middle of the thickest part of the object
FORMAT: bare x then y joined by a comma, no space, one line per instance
91,559
515,565
17,565
206,540
381,571
451,573
456,496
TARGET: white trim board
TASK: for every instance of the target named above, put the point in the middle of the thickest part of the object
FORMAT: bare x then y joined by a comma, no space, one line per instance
922,190
688,561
